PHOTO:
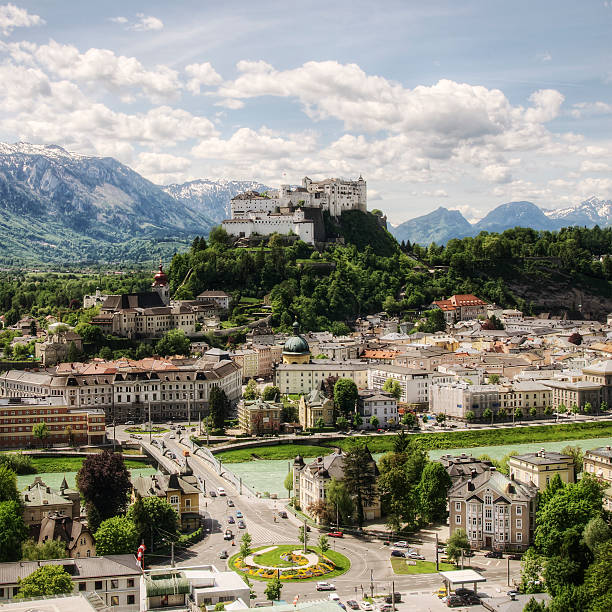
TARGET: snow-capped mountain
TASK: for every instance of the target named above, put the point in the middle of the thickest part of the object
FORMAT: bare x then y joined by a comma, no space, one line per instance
590,212
67,206
211,198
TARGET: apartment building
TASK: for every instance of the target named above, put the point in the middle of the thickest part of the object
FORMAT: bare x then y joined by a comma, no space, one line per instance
114,578
383,406
464,466
220,298
601,374
304,377
496,511
425,358
540,468
415,383
462,307
259,417
577,393
248,360
525,395
598,462
39,500
67,425
128,389
314,406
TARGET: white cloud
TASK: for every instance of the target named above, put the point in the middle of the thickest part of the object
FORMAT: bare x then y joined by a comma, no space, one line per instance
12,17
201,74
436,193
99,66
161,167
143,23
497,174
591,166
591,109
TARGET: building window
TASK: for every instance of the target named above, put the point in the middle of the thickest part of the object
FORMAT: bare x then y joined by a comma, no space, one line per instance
130,599
458,519
130,582
519,537
98,585
114,600
519,510
114,583
174,499
519,523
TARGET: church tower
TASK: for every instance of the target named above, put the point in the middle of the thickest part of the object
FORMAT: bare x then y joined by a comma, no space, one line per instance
161,285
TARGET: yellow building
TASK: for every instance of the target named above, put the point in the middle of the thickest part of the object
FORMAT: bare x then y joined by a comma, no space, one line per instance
179,490
259,417
314,406
541,467
296,349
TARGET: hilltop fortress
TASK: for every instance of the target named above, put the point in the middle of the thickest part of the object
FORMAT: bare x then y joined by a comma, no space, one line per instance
296,210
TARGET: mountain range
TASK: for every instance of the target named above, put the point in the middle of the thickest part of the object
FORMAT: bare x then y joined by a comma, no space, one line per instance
443,224
61,207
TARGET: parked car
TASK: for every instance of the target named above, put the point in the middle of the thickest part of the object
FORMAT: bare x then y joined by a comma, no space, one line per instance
221,491
397,597
401,544
352,604
515,557
213,493
414,555
334,597
398,553
461,592
471,600
282,514
513,593
238,514
441,592
445,560
228,535
241,524
454,601
129,423
468,553
367,606
386,607
335,534
230,503
230,520
172,437
325,586
223,554
494,554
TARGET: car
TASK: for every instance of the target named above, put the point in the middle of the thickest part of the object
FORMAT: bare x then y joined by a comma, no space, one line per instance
241,524
221,491
341,605
397,596
513,593
494,554
335,534
230,520
386,607
471,600
352,604
398,553
238,514
468,553
282,514
367,606
129,423
172,437
441,592
223,554
228,535
414,555
325,586
230,503
441,550
401,544
515,557
445,560
461,592
454,601
213,493
136,436
334,597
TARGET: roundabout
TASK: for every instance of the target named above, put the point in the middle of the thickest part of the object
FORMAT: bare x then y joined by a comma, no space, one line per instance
290,564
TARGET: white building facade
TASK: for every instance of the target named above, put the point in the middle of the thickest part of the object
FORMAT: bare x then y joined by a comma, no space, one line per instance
266,223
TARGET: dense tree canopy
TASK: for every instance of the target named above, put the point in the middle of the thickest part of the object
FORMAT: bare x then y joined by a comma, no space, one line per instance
12,531
45,581
116,536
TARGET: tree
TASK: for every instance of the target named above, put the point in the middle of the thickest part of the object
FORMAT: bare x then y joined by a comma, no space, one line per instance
323,543
494,379
70,435
8,485
433,488
360,478
251,392
104,483
548,411
575,410
303,535
374,422
345,396
73,354
51,549
457,542
116,536
320,423
357,420
12,531
562,409
441,418
271,394
470,416
533,411
409,419
596,533
156,519
518,413
587,408
340,499
219,239
393,387
598,579
533,605
288,484
575,452
342,423
531,572
559,572
45,581
173,342
245,545
320,510
40,431
218,406
401,442
273,589
488,414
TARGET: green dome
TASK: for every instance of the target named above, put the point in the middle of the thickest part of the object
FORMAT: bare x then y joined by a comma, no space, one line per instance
296,344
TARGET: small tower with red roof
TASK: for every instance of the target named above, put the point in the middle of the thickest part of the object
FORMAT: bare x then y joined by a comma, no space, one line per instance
161,285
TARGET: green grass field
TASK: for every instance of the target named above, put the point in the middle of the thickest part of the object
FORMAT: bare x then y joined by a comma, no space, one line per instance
72,464
283,451
341,562
422,567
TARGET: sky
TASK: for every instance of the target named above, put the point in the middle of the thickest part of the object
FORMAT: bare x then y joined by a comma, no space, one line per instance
465,105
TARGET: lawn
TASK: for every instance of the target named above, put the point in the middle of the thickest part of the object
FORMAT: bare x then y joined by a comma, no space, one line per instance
422,567
282,451
72,464
341,562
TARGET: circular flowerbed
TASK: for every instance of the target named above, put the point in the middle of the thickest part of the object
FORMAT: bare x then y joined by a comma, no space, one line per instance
328,564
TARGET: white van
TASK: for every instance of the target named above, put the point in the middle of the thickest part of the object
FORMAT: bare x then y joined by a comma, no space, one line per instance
221,491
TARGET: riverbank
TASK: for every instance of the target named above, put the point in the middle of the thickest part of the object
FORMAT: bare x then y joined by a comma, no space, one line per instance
465,439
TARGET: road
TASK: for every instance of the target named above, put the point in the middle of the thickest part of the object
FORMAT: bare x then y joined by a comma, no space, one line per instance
369,559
